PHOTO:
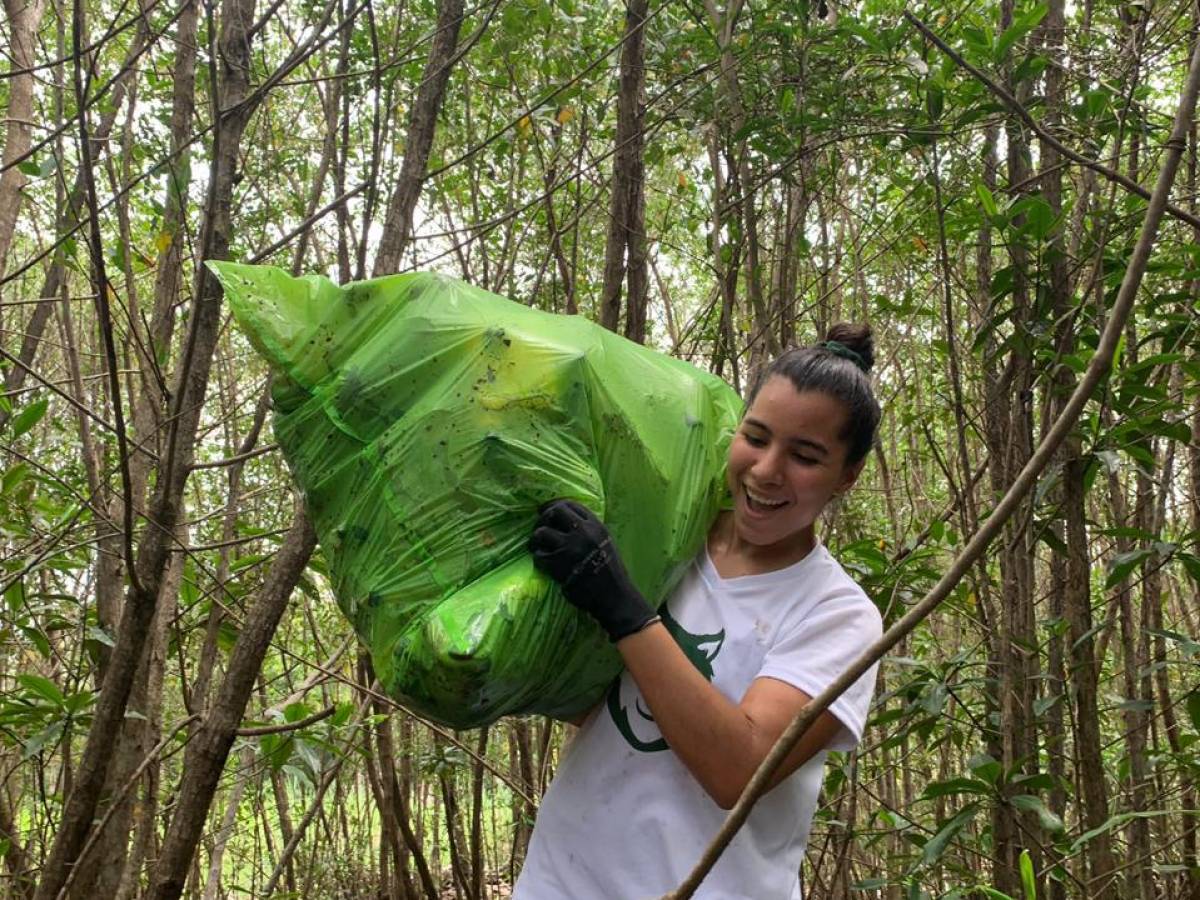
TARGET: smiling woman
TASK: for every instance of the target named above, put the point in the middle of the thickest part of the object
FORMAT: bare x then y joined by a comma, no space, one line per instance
763,620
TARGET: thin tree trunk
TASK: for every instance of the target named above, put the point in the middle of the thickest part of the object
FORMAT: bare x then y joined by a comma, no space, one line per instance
216,858
154,550
209,747
422,123
24,16
764,343
477,860
149,405
625,246
56,275
16,859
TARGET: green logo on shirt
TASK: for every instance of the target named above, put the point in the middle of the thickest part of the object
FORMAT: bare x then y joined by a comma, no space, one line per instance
638,727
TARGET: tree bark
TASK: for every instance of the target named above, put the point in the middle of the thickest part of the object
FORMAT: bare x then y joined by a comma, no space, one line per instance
24,16
625,246
422,124
1009,437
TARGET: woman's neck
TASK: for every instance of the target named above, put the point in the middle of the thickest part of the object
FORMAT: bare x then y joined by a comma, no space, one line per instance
732,556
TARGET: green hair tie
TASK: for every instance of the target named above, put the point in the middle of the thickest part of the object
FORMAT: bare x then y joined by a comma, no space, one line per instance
837,348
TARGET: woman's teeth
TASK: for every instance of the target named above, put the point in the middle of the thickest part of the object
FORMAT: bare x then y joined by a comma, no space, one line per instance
759,502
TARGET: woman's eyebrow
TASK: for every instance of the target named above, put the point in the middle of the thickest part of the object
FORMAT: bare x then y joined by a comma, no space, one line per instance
810,445
757,423
802,442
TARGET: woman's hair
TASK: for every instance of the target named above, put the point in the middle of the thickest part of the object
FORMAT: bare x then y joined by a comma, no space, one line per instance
837,366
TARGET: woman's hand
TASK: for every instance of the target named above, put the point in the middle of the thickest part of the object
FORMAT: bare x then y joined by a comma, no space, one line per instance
574,548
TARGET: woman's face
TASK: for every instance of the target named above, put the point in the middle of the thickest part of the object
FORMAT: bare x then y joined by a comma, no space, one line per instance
786,461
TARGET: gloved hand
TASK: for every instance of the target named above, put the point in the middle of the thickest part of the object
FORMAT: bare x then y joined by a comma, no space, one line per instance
574,548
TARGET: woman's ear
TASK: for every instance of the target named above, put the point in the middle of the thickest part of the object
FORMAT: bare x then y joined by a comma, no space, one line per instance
850,475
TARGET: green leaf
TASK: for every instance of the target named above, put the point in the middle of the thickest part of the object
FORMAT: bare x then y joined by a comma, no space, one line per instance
277,748
1039,782
30,168
1039,216
934,102
29,416
1021,26
342,714
14,477
936,845
1096,101
1031,67
47,737
1178,430
934,700
42,687
35,637
79,701
14,596
294,712
986,200
1193,708
1028,881
985,767
98,634
1034,804
953,786
1122,564
1191,565
1117,821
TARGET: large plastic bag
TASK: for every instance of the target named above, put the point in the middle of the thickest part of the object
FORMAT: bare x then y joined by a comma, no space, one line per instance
426,421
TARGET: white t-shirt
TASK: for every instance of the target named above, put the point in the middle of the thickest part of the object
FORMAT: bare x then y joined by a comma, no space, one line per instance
625,820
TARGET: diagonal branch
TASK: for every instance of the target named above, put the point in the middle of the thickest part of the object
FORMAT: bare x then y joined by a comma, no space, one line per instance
1023,114
1097,368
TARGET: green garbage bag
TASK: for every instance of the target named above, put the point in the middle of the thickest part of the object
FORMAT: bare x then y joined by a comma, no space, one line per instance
426,421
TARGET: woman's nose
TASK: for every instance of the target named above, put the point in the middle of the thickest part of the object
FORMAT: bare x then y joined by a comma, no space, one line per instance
768,467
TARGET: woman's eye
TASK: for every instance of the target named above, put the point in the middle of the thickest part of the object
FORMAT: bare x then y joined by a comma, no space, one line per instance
804,460
754,440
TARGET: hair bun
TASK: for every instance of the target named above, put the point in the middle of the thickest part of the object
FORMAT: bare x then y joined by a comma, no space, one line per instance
857,339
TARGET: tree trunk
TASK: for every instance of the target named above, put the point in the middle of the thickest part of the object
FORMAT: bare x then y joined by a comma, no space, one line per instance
422,123
24,16
154,550
1008,434
212,884
209,747
625,247
150,403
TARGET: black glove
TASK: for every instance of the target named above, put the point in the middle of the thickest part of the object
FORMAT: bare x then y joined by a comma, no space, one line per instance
574,548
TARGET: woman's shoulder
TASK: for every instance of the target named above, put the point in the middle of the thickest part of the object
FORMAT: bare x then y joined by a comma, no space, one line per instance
833,593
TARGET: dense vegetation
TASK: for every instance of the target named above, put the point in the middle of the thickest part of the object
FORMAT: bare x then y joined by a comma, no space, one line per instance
716,182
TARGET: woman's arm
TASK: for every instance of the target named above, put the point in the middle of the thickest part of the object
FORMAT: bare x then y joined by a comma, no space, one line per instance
720,742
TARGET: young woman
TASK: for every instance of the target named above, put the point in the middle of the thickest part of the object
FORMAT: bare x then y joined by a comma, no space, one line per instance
761,622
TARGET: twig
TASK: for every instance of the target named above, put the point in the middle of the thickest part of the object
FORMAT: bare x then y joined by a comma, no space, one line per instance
234,460
1097,368
103,314
260,730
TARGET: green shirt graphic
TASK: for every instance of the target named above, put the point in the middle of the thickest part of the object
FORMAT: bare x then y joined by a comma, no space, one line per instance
701,649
